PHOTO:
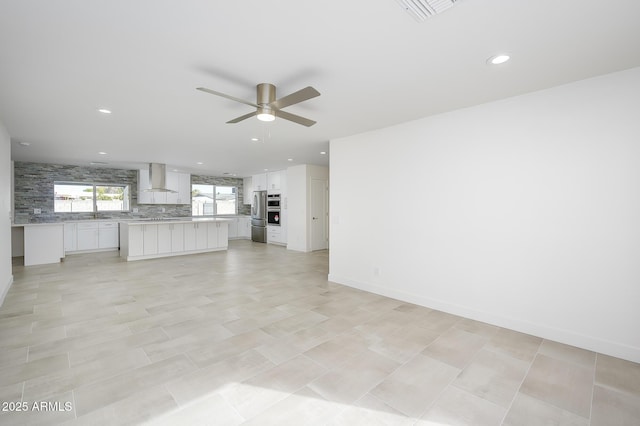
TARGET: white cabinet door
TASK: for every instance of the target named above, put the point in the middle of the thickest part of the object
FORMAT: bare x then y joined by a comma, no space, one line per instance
189,236
164,238
177,237
181,183
70,237
87,236
244,227
273,181
212,235
184,188
173,182
170,238
247,190
233,227
259,182
195,236
108,235
136,240
150,237
144,197
223,234
217,235
202,230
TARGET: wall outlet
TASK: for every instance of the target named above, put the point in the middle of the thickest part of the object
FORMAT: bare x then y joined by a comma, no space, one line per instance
162,210
37,211
135,210
376,271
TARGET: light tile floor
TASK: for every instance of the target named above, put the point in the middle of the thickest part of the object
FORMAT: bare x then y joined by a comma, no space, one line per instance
257,335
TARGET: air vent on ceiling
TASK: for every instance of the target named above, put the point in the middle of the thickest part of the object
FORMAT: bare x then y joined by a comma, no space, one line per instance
420,10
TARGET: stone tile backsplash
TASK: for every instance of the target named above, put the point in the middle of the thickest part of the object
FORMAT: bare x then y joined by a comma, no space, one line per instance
33,188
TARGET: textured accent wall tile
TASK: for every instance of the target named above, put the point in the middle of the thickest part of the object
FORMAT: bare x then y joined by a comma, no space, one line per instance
33,188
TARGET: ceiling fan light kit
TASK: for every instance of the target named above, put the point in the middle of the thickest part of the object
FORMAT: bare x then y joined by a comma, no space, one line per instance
268,107
265,114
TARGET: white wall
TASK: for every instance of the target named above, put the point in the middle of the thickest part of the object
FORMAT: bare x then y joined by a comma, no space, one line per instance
523,213
6,277
297,208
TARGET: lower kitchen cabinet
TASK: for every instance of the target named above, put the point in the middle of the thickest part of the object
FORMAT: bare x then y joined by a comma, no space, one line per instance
217,235
233,228
90,236
87,236
140,240
146,241
275,235
244,227
240,228
108,235
170,238
149,240
195,236
133,238
70,237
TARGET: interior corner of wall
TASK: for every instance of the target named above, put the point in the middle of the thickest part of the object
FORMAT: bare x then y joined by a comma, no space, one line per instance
5,290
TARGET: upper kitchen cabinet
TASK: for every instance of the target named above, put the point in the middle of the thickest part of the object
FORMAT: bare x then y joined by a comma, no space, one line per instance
178,182
247,195
181,183
274,181
259,182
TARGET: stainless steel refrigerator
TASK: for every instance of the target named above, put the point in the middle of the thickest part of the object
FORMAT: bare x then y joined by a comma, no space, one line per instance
259,217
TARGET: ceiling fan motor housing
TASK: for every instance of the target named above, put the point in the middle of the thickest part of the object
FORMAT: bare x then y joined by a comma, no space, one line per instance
266,93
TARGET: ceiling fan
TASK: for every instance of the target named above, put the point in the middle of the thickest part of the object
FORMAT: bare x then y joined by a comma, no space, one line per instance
268,108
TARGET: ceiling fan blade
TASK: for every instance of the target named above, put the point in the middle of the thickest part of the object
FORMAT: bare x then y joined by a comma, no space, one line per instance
295,118
213,92
296,97
243,117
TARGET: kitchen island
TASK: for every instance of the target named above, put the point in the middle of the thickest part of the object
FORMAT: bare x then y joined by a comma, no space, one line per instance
149,239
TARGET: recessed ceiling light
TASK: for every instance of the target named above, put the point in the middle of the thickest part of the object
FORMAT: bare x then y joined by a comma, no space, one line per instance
498,59
24,143
104,111
289,159
200,163
323,152
266,170
102,153
255,139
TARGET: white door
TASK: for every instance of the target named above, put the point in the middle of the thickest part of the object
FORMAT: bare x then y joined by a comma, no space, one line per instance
319,214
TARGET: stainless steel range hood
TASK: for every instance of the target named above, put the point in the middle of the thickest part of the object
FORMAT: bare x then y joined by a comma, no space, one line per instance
158,178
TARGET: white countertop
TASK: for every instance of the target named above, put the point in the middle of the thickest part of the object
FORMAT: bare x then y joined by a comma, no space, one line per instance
20,225
225,218
176,220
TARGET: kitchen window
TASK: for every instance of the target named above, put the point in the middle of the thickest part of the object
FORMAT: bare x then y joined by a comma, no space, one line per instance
77,197
208,200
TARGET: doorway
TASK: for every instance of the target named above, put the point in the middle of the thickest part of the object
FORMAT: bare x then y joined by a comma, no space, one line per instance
319,214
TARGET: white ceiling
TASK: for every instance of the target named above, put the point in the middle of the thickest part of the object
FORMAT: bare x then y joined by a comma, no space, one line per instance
373,64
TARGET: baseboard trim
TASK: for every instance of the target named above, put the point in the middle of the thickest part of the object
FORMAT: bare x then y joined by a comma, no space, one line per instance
568,337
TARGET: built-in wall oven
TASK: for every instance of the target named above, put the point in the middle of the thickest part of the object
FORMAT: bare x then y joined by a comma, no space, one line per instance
273,209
